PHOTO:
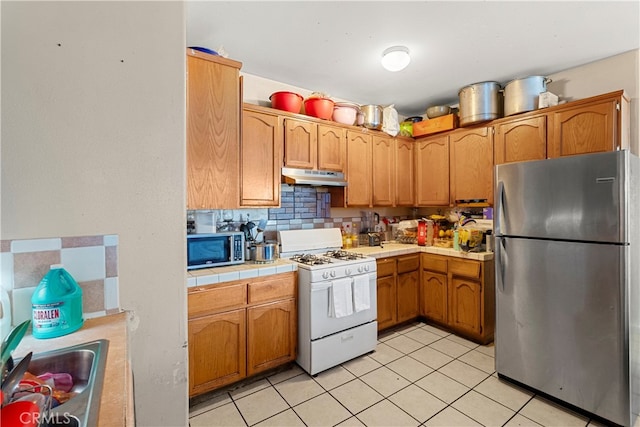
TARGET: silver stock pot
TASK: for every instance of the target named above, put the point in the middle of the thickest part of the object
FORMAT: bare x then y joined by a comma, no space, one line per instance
263,252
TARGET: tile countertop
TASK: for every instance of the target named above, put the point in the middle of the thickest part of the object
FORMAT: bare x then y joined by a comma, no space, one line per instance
209,276
395,249
116,399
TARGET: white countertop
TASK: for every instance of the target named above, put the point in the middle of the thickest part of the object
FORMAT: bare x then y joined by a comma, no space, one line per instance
209,276
394,249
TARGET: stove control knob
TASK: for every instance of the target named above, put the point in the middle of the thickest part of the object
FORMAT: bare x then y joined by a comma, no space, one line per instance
360,269
333,273
366,267
325,275
347,271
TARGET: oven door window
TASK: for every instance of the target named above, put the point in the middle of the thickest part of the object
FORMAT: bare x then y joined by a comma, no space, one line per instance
211,250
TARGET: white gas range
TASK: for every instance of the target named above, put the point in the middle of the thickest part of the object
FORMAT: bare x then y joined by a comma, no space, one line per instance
337,305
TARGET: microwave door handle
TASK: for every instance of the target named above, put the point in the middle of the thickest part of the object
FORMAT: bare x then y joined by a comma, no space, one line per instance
232,249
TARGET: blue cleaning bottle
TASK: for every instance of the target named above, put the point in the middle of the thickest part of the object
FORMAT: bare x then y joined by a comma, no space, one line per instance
56,304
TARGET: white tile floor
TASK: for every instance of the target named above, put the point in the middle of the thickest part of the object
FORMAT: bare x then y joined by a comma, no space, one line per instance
418,376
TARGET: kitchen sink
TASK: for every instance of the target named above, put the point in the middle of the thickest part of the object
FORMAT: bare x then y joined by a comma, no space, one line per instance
86,364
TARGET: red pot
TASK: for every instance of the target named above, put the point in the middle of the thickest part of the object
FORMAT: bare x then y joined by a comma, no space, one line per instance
321,108
287,101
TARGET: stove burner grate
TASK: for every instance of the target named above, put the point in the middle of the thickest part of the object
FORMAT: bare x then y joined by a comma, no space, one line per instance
343,255
310,259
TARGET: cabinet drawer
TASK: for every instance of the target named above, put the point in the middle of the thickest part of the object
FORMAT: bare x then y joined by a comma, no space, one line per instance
275,287
408,263
434,263
216,298
386,267
464,268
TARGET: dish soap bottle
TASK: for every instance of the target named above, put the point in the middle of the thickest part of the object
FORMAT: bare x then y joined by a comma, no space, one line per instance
56,304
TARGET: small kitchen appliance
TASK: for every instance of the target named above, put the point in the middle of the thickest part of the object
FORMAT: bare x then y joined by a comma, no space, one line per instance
567,234
337,306
215,249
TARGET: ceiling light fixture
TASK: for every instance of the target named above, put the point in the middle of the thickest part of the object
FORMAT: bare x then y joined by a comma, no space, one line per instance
396,58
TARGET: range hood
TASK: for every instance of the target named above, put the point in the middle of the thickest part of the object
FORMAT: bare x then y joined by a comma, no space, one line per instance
313,177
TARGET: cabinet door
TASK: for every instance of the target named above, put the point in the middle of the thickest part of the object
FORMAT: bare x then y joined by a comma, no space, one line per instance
404,173
213,133
387,315
432,171
271,335
433,296
472,165
585,129
358,169
332,148
465,305
217,350
384,166
261,159
521,140
408,295
300,144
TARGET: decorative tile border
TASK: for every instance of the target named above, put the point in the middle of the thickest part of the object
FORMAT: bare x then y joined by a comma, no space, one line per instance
91,260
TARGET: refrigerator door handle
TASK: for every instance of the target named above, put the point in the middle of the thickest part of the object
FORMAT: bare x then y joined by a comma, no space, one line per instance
500,265
499,208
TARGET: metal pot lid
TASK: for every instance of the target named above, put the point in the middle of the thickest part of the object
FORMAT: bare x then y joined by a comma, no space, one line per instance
347,104
479,83
544,79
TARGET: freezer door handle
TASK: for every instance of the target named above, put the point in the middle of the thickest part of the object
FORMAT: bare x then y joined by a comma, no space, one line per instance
500,248
499,208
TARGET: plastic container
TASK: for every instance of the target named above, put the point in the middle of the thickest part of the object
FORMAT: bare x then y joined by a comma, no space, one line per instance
287,101
56,305
321,108
422,233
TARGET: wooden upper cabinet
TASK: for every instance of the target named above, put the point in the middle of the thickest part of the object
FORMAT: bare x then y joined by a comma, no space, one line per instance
213,131
261,159
301,144
521,139
432,171
590,127
332,148
384,166
472,164
359,169
405,172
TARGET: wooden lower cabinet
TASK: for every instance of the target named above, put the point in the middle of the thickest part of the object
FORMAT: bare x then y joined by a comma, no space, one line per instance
433,296
408,285
386,294
271,335
237,329
459,294
465,305
398,290
217,350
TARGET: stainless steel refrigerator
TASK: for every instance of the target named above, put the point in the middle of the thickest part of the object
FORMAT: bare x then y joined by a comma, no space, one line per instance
567,271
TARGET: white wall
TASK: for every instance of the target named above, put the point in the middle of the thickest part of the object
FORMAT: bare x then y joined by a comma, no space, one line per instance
93,142
607,75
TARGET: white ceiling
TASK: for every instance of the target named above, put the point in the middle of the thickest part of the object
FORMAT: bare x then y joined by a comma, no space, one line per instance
335,47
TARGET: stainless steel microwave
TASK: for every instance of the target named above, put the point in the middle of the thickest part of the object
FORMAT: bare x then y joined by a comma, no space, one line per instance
214,250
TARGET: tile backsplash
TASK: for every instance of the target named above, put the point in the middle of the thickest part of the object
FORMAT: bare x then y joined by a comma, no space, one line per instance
91,260
301,207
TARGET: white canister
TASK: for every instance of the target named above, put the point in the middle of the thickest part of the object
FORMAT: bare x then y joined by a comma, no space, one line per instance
205,222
